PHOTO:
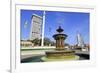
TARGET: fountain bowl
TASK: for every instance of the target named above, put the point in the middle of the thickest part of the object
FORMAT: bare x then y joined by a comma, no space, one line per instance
60,55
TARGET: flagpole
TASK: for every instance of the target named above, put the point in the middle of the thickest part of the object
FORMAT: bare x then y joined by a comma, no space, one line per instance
43,26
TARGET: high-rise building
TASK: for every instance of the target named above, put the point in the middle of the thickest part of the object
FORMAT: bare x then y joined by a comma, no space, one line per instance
36,23
80,41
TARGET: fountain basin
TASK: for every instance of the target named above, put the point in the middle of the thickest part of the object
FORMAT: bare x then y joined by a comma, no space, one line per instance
45,59
60,55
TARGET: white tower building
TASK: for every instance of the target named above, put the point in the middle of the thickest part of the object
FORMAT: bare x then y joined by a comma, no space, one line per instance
80,41
36,23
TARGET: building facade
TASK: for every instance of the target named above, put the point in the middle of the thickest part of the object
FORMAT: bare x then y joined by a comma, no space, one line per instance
36,23
80,41
26,43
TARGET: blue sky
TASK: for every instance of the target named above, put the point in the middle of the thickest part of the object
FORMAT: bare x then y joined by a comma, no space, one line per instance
72,23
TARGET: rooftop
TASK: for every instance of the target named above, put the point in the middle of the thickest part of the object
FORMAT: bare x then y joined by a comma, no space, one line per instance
36,15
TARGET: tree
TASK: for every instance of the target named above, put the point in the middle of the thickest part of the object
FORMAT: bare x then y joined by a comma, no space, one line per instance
47,41
66,44
53,43
36,42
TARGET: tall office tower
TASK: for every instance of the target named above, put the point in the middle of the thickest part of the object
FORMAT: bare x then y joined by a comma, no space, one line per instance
36,23
80,41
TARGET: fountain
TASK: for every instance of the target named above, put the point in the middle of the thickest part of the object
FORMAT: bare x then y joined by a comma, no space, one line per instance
60,53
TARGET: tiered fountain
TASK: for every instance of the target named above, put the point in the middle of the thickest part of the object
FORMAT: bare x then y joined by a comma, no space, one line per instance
60,53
